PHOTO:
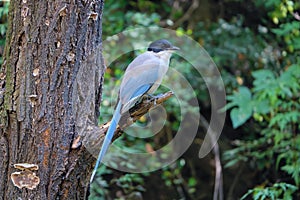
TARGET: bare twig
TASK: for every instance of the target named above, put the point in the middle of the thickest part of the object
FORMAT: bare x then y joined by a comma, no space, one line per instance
218,188
187,14
234,182
297,16
175,7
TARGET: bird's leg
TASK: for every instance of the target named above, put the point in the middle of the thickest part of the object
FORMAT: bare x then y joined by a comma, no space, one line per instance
154,97
149,97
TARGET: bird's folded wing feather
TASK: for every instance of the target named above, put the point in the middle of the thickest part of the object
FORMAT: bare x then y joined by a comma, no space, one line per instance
137,82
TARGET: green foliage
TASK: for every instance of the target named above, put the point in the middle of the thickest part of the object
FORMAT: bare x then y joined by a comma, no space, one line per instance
3,25
127,185
100,190
232,45
273,102
282,191
124,14
3,18
275,96
283,13
130,183
172,176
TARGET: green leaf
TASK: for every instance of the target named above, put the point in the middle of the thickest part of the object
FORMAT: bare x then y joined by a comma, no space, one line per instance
243,96
231,163
240,115
192,182
263,74
242,100
261,106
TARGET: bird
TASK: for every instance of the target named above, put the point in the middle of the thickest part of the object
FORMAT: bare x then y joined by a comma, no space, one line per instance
142,77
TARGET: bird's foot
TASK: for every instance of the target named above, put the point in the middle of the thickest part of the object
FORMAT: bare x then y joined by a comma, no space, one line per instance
150,97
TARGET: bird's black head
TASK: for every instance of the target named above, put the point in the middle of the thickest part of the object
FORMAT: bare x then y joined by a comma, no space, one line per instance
161,45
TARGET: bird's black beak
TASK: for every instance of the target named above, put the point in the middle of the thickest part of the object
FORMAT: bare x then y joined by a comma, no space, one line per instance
174,48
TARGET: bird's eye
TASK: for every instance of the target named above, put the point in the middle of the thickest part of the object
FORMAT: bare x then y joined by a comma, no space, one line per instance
154,50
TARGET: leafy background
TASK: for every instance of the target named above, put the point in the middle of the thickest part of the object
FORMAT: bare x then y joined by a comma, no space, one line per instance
256,46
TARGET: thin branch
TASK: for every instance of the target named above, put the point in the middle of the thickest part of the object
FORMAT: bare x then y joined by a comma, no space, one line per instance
218,188
175,7
138,111
187,14
95,135
296,16
234,182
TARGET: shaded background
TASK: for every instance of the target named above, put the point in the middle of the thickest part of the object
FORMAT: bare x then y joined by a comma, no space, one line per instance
256,46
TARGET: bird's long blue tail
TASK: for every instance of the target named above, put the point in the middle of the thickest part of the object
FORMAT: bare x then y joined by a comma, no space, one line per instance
108,137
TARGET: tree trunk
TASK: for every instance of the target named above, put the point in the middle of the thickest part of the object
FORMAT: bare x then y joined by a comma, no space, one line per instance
52,70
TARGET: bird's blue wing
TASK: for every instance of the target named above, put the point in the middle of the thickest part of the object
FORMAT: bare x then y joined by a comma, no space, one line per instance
141,91
135,97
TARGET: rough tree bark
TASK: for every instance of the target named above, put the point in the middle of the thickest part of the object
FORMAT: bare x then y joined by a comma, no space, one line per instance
50,44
